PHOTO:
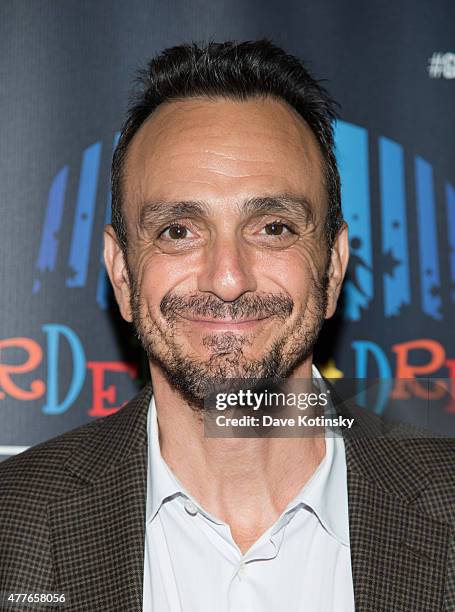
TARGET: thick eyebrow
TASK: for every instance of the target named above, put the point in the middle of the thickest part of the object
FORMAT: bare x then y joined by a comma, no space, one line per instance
161,212
297,207
157,213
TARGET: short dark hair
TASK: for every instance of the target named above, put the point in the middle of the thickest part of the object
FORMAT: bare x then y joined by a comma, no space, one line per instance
238,71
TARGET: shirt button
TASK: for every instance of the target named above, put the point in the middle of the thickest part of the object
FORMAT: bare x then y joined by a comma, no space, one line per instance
190,507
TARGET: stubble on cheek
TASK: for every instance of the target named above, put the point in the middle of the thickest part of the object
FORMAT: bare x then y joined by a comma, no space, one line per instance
147,328
167,340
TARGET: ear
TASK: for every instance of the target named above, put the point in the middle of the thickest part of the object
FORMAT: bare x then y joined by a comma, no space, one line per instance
114,260
337,269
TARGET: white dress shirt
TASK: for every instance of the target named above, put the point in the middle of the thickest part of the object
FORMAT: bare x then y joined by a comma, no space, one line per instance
302,563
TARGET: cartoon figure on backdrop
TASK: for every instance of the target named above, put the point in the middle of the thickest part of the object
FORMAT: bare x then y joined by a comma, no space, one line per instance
356,264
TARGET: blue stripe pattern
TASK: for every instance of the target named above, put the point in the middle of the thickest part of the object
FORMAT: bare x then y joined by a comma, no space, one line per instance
47,256
450,197
394,226
83,219
102,287
428,246
352,156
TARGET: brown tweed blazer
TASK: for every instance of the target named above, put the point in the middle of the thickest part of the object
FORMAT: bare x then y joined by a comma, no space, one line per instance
72,518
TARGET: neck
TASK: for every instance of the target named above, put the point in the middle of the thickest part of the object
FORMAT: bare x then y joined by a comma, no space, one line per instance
245,482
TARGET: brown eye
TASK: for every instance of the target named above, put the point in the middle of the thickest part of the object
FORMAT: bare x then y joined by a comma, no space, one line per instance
274,229
175,232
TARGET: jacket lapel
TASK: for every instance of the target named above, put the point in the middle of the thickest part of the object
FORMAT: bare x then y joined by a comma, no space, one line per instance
97,531
398,553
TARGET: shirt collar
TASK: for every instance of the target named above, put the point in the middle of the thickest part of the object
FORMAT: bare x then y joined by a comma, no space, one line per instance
162,484
325,493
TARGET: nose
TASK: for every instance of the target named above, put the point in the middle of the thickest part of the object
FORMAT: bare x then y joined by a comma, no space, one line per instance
226,271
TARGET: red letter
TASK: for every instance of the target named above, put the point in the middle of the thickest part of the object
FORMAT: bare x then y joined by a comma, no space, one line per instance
450,363
110,393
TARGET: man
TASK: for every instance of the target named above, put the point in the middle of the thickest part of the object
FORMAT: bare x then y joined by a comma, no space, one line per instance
227,251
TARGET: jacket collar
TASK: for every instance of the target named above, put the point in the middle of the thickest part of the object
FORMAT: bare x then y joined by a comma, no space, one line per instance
114,439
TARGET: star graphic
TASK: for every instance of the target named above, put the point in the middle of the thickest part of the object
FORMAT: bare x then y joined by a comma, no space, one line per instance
389,263
72,273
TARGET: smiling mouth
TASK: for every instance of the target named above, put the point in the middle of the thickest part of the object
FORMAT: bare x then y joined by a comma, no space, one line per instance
225,324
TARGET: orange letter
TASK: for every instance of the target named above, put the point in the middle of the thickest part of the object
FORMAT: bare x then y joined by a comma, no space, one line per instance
407,371
35,355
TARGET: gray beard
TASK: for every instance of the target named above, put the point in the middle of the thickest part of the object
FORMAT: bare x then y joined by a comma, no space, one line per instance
195,379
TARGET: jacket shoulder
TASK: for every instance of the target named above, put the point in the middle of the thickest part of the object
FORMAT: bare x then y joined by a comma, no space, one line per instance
55,470
55,466
40,469
437,455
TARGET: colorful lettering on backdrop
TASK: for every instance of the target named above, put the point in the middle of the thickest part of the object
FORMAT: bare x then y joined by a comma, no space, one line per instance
93,373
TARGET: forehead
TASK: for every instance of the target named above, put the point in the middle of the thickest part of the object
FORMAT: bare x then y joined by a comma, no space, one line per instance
220,150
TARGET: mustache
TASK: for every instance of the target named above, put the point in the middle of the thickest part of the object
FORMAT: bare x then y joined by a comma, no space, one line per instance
246,306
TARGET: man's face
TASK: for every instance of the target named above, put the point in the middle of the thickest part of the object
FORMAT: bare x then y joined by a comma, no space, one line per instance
228,273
